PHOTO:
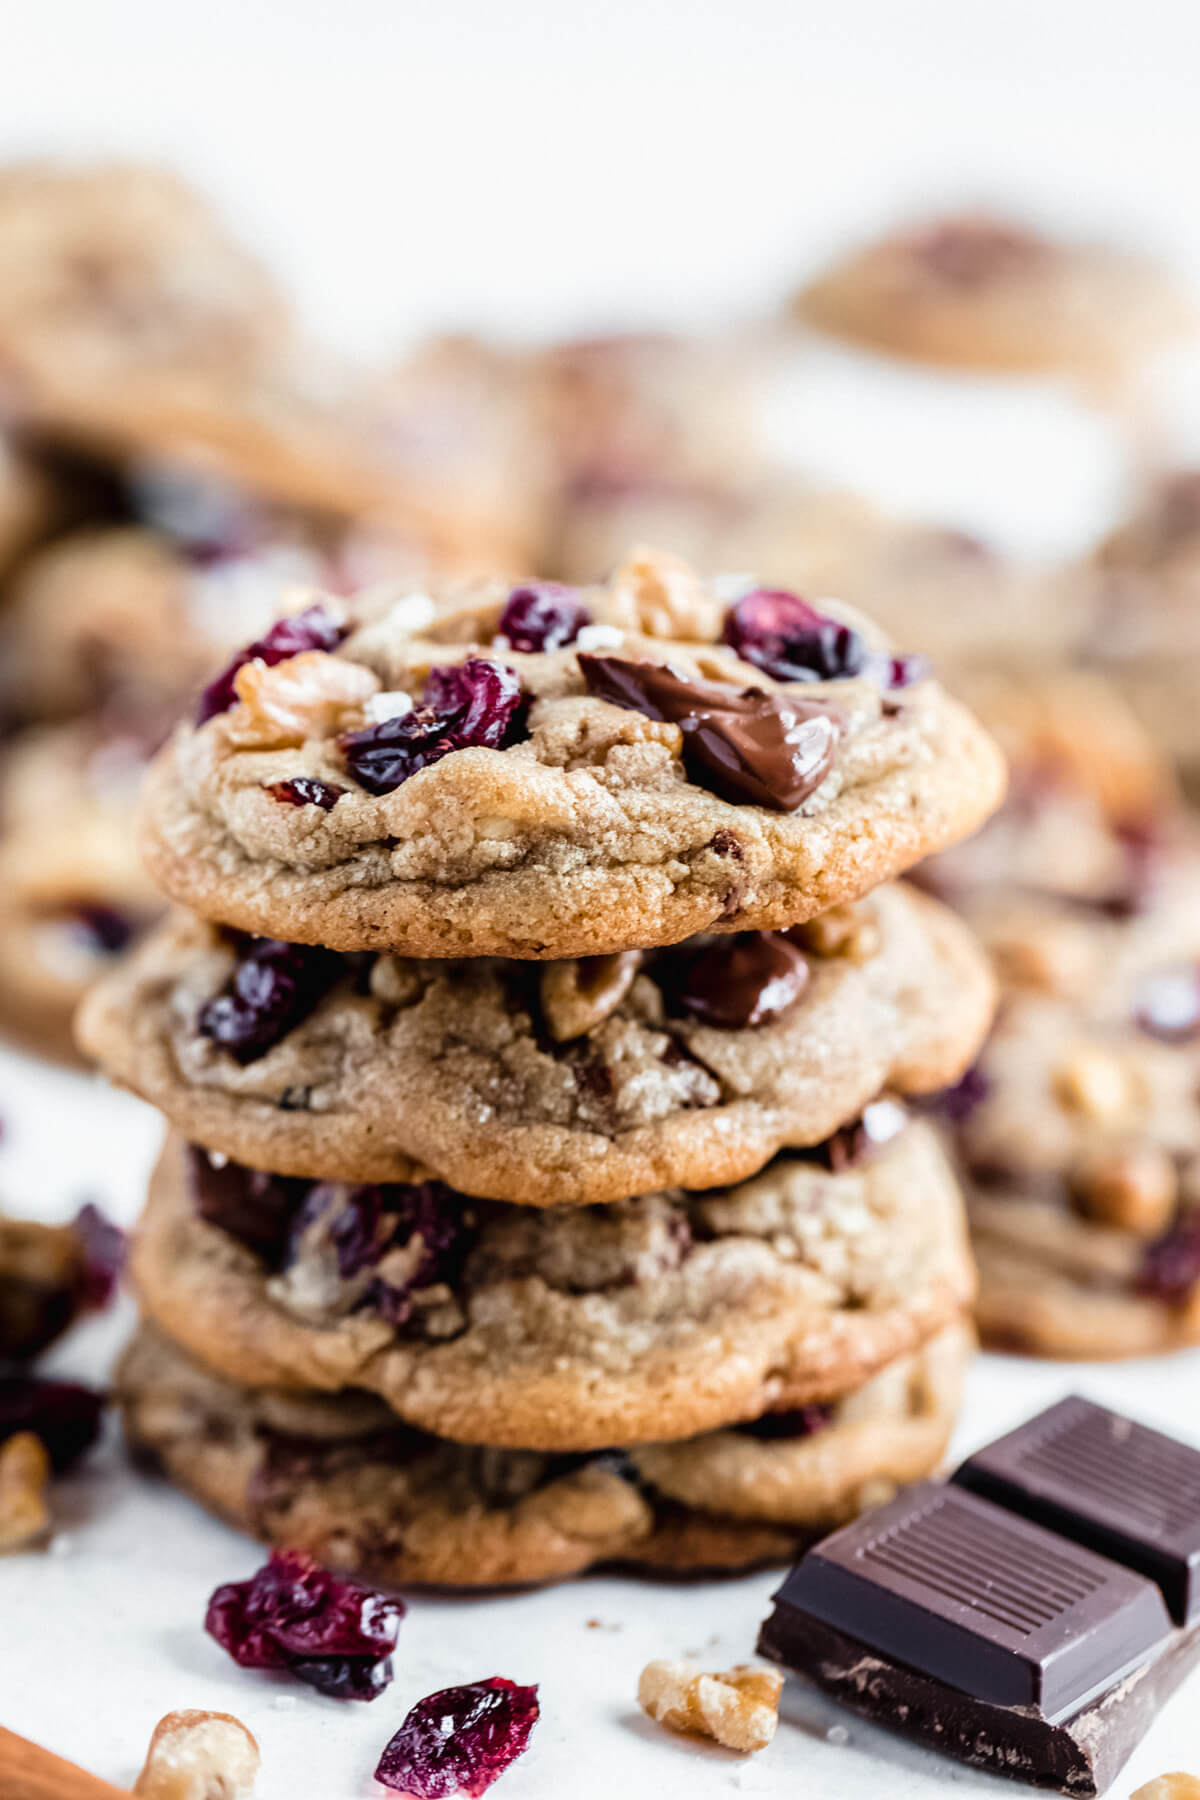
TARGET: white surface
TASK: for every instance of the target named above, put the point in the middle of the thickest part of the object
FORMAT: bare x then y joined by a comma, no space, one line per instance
544,165
103,1634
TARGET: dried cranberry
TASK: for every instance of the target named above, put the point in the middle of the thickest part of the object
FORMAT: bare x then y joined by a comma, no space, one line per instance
1171,1264
312,629
545,615
790,640
101,929
738,983
1167,1003
900,671
460,1740
103,1246
476,704
273,987
362,1225
802,1422
976,252
306,790
333,1634
64,1415
255,1208
957,1103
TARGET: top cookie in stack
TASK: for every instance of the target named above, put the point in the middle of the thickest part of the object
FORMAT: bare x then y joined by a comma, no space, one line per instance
547,773
624,1190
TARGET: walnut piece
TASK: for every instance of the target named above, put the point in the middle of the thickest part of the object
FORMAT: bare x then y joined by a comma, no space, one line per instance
1095,1083
658,595
848,931
1133,1186
739,1708
199,1756
24,1478
1176,1786
308,696
578,995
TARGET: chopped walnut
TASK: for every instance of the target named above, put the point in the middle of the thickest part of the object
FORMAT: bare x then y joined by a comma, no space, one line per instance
739,1708
660,596
848,931
1176,1786
308,696
395,981
24,1478
199,1756
580,994
1133,1186
1094,1082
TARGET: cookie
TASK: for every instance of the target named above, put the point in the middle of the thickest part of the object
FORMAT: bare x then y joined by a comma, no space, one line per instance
73,893
630,787
343,1480
1142,586
1079,1127
985,293
26,503
548,1084
642,408
115,269
654,1318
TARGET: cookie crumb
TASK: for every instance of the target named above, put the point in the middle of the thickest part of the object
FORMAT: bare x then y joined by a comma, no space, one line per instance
199,1756
738,1708
24,1479
1175,1786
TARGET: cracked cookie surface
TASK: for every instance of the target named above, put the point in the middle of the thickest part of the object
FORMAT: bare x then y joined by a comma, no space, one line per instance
556,822
652,1318
558,1083
343,1480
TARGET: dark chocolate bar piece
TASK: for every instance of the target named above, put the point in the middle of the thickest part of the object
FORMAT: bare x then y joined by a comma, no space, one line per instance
983,1635
1129,1492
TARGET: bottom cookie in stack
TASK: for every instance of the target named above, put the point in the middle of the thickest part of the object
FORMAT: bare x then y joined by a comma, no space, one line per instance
342,1478
428,1387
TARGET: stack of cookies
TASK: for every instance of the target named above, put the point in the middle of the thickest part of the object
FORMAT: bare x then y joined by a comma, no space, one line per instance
541,1191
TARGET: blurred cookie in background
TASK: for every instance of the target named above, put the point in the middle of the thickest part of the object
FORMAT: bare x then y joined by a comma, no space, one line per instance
1078,1129
73,893
642,424
1141,587
983,292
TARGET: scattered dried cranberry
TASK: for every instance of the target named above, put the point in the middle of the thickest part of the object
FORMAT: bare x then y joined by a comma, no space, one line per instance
64,1415
790,640
255,1208
312,629
306,790
273,987
900,671
1167,1003
545,615
464,706
333,1634
1171,1264
802,1422
977,252
738,983
103,1246
460,1740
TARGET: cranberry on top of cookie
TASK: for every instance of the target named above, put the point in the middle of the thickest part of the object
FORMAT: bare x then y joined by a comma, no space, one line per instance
540,772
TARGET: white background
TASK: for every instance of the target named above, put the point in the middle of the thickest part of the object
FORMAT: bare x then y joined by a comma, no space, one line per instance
526,166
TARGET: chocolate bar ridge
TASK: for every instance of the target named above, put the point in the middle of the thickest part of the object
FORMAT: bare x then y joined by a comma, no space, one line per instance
1105,1481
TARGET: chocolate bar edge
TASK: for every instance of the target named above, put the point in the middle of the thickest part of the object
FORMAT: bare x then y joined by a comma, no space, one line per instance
1081,1755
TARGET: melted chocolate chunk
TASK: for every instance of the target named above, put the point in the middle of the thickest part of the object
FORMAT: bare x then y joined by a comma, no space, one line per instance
745,745
738,983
